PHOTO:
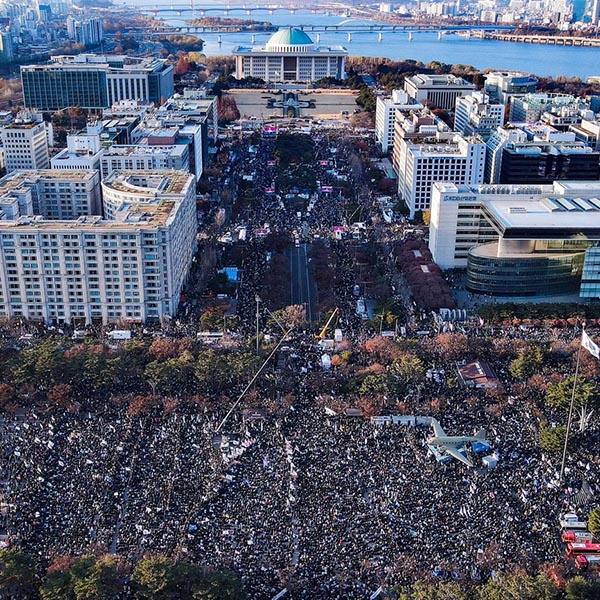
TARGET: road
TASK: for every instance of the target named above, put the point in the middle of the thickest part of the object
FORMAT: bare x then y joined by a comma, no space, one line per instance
302,286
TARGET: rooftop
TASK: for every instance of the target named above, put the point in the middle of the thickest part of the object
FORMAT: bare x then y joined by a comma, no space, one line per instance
146,150
149,184
566,218
128,217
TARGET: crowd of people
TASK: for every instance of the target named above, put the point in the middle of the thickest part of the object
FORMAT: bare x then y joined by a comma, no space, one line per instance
321,504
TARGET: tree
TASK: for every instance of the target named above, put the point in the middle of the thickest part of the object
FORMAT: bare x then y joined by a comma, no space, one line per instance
59,580
219,585
96,578
152,579
7,395
293,316
594,521
182,66
580,589
527,363
408,367
58,586
552,439
60,395
451,345
17,575
519,585
559,394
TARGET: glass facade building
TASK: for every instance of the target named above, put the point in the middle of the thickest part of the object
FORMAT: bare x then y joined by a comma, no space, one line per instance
94,82
541,274
55,89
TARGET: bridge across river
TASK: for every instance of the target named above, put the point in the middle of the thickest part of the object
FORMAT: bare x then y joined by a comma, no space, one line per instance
348,27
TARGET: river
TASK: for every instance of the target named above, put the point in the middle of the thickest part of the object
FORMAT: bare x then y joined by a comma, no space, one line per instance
425,46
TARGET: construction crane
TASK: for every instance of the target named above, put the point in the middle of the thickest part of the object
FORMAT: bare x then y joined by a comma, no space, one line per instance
324,330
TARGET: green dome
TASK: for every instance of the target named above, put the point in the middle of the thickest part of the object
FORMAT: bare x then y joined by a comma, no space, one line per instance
289,37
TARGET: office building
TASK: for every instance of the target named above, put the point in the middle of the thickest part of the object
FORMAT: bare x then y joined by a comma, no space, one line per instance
538,154
129,266
439,91
83,151
475,115
94,82
501,86
148,157
588,132
190,119
25,143
53,194
519,240
385,116
420,163
530,107
290,55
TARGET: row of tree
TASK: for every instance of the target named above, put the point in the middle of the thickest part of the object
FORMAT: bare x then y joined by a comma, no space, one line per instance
109,577
81,374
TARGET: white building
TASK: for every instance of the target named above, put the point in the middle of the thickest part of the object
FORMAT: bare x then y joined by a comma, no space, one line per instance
419,165
54,194
438,90
290,55
25,145
519,240
145,157
530,107
475,115
83,151
385,116
131,266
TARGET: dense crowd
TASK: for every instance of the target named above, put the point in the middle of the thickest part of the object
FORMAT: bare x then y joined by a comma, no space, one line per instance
325,505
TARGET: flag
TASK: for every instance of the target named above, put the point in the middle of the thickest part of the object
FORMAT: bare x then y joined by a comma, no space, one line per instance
589,345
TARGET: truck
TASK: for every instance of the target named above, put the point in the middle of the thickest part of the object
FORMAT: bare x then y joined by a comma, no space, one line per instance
119,334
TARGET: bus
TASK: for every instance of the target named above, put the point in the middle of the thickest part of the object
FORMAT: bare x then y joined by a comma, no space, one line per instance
576,535
588,562
575,548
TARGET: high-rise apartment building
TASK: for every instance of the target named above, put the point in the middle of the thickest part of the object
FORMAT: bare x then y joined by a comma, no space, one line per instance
146,157
95,82
129,266
530,107
88,32
83,151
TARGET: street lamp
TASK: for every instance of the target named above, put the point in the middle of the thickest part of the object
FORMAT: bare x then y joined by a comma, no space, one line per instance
257,298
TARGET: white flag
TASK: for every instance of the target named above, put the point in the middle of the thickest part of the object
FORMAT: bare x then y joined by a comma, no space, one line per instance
589,345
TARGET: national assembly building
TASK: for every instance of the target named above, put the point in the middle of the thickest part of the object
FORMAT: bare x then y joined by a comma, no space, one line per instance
290,56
